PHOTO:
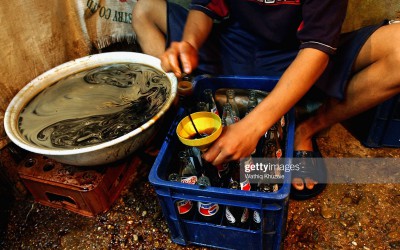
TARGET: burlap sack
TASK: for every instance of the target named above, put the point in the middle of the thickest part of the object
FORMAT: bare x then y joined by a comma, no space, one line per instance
109,21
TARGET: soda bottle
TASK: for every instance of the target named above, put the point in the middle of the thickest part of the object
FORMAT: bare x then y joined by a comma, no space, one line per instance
277,143
201,106
185,207
230,98
227,116
256,221
271,144
224,174
271,150
187,169
211,172
194,155
236,216
208,211
252,103
185,89
244,183
209,99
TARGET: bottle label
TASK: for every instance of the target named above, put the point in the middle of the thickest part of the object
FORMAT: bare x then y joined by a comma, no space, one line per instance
245,185
229,216
214,110
256,217
278,153
245,215
207,208
189,180
184,206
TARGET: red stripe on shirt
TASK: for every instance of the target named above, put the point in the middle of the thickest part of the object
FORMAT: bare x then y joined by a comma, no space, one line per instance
219,7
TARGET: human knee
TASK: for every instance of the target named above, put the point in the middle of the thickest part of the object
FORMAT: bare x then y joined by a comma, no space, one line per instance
139,12
142,11
394,53
394,64
146,11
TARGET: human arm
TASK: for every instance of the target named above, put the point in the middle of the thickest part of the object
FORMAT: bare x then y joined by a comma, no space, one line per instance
185,52
240,139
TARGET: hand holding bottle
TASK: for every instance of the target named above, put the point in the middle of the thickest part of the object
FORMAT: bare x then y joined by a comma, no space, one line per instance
236,141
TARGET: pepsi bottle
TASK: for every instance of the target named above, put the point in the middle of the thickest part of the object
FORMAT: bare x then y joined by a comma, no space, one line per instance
224,174
256,221
185,208
208,211
236,216
188,171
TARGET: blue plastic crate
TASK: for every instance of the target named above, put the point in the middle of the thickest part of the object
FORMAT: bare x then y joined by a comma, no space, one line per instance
379,126
271,206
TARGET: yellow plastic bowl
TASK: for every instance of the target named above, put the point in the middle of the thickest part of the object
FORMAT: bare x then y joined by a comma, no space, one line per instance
205,122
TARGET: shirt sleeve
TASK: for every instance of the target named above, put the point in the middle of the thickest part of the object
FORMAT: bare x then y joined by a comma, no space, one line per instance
216,9
322,22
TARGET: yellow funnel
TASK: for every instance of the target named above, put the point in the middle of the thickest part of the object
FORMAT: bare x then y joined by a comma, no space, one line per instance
206,123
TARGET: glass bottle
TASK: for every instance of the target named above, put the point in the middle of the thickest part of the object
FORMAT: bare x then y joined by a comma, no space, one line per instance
227,116
194,155
208,211
256,220
209,99
187,169
230,98
201,106
236,216
253,102
185,208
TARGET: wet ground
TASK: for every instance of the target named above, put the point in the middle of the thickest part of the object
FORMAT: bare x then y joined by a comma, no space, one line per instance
344,216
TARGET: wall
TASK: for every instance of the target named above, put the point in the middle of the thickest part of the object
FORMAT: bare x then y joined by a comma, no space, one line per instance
366,12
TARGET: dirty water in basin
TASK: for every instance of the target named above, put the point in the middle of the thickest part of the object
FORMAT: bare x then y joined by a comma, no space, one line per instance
94,106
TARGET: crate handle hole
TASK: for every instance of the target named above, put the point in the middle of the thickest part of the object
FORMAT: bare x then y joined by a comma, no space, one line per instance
48,166
60,199
30,163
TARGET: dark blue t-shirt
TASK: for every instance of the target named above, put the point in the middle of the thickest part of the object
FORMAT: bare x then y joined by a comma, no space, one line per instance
283,24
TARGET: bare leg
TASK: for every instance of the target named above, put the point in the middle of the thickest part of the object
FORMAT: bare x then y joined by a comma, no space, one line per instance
377,79
150,25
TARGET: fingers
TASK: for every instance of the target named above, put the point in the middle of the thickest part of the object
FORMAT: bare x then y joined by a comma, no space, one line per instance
188,57
217,154
174,64
231,145
169,60
179,56
214,155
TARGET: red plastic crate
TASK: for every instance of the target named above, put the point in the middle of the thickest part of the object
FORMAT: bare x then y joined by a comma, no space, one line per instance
88,191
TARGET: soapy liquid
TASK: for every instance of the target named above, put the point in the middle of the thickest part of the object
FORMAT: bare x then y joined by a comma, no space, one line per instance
94,106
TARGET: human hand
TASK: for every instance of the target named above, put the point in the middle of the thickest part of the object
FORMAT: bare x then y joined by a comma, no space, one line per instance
235,142
179,54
